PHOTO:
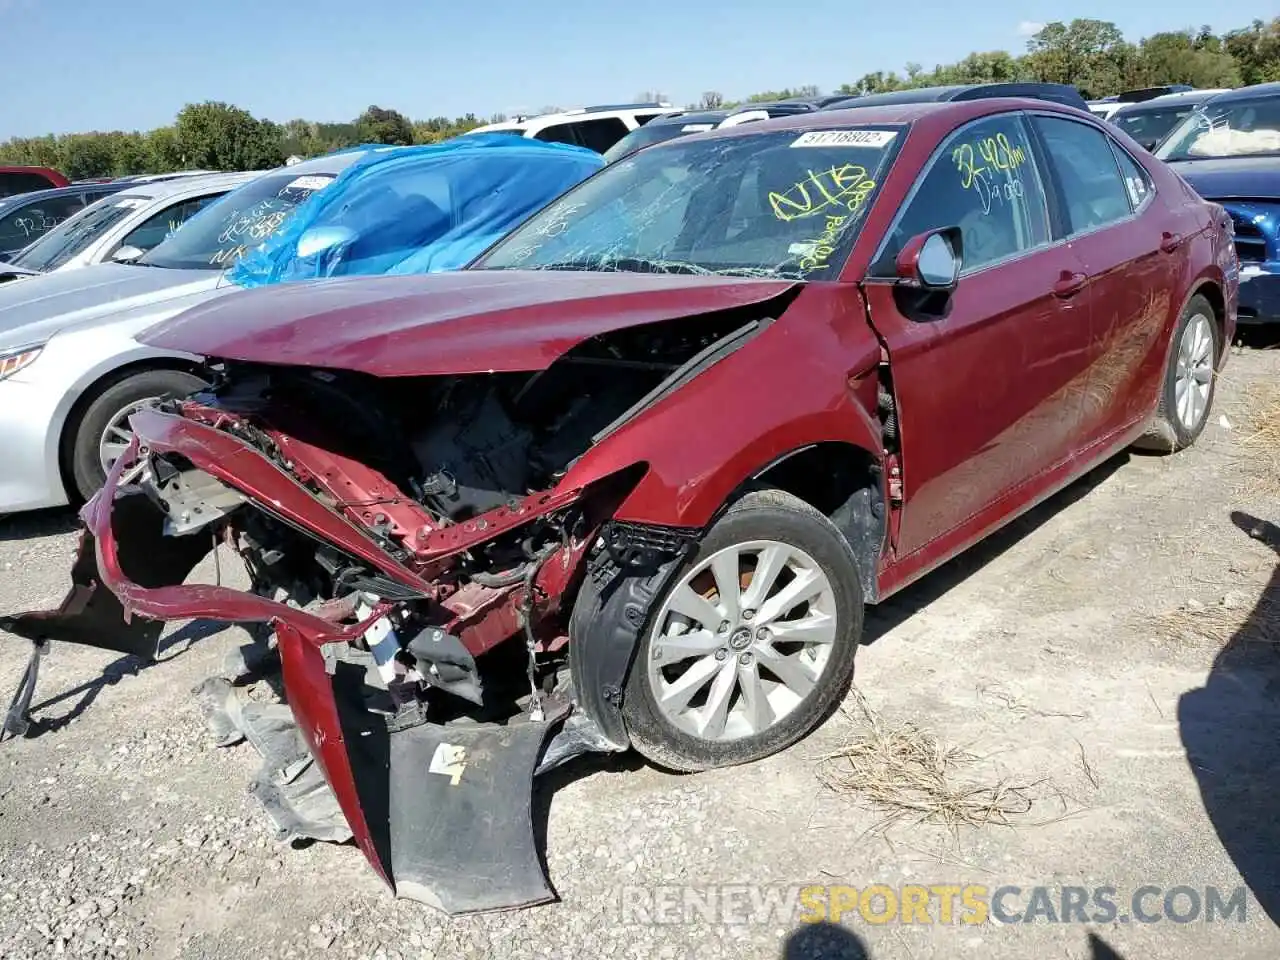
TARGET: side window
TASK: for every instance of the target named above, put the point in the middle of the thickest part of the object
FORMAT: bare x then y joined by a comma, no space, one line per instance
598,134
983,180
33,220
1136,180
157,227
1092,191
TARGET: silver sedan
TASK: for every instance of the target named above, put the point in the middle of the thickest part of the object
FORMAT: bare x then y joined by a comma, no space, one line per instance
123,226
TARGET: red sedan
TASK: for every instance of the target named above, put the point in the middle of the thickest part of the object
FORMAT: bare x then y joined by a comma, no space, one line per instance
630,479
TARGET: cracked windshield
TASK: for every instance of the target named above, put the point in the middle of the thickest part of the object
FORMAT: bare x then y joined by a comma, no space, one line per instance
785,204
224,231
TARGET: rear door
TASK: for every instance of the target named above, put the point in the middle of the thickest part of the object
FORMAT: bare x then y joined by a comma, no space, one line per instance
1134,253
988,383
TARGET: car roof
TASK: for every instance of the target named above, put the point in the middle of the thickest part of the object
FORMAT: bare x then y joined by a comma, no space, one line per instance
687,116
950,112
1257,91
164,189
1168,100
1051,92
22,199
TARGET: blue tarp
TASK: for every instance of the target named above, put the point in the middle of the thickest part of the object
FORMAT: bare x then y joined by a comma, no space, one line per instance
418,209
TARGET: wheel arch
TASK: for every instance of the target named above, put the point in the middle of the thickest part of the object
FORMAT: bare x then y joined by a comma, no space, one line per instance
94,386
845,483
1211,291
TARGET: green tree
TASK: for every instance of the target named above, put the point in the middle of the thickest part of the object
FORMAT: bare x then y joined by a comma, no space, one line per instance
163,151
1187,57
219,136
1256,51
86,155
378,125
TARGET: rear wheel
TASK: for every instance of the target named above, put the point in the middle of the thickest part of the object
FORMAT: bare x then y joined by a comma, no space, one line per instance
1187,390
103,434
752,644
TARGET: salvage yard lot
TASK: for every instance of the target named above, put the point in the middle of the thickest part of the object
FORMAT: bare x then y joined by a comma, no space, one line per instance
1090,658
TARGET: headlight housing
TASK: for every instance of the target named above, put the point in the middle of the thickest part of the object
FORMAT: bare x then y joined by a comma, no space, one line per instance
11,361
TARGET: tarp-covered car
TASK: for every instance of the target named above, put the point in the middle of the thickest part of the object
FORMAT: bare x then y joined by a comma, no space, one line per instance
630,477
72,368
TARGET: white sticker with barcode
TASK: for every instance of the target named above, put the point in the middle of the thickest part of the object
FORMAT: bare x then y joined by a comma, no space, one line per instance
845,138
309,183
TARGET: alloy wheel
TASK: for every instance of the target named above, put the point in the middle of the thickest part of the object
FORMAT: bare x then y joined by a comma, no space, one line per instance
741,640
1194,376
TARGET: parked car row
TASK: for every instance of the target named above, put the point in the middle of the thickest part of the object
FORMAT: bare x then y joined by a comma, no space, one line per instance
623,473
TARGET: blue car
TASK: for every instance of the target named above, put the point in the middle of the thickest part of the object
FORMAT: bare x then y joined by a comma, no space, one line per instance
1228,150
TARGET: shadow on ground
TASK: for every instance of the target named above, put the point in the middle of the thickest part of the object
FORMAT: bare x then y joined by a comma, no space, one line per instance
172,647
829,941
1230,729
38,523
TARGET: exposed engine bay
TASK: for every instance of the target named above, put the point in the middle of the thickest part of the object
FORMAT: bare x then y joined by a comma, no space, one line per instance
453,478
442,598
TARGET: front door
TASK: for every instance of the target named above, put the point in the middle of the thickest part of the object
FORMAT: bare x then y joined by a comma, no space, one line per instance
988,384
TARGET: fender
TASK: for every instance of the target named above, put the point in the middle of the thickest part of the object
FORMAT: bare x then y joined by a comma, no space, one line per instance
744,413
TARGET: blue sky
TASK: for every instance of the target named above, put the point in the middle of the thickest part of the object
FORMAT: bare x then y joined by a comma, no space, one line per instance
135,63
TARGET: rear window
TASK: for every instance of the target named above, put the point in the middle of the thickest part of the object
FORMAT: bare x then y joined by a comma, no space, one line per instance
12,184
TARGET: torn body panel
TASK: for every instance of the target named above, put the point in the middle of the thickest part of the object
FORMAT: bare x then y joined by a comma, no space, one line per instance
451,565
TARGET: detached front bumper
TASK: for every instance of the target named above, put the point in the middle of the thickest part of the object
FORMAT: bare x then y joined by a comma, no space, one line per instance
443,813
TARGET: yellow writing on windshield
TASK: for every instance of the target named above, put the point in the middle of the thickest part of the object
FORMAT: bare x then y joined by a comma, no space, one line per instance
820,250
840,186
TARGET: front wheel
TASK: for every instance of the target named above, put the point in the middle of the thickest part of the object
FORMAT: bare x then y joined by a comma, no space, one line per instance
102,433
753,643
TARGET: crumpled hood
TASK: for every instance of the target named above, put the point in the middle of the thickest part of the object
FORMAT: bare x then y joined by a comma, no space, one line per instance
449,323
1241,177
34,309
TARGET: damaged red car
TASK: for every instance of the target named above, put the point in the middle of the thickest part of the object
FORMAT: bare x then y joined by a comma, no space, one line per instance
630,479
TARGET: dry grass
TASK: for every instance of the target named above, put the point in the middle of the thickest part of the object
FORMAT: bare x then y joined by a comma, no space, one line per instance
1259,623
909,775
1259,439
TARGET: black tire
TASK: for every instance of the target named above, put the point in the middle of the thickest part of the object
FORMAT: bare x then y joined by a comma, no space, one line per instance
1167,433
759,515
84,434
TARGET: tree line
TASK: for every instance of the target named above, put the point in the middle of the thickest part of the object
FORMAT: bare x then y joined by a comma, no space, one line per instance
1090,54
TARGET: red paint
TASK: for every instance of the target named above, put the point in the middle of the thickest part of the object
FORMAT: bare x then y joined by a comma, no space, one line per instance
316,713
1039,369
236,463
447,323
52,177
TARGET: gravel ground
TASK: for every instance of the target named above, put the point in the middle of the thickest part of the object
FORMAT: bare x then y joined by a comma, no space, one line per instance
1149,750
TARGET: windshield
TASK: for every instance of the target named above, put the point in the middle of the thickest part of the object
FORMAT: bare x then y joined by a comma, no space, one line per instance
775,204
1149,127
72,236
650,134
224,231
1241,128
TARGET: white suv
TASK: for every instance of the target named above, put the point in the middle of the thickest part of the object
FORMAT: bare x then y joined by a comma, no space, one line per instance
597,128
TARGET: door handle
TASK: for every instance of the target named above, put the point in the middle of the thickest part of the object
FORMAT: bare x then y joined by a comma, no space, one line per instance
1169,242
1069,284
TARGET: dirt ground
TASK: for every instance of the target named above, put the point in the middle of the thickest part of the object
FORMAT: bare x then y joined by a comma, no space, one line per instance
1090,657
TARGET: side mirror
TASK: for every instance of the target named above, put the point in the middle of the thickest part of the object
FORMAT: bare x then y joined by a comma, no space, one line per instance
127,254
931,260
318,240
